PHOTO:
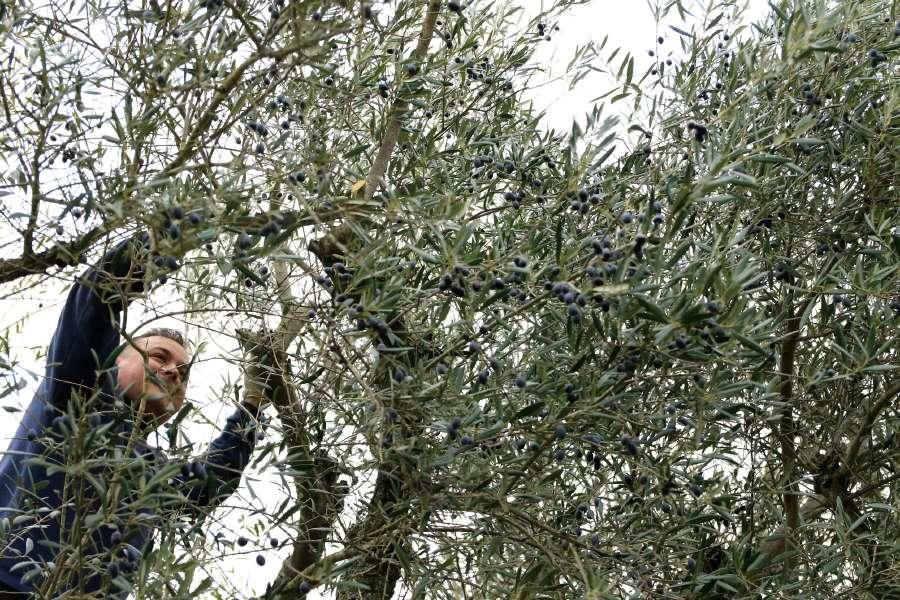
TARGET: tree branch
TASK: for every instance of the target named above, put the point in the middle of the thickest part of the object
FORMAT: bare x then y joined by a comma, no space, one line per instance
786,425
392,129
223,93
776,544
61,255
268,376
866,426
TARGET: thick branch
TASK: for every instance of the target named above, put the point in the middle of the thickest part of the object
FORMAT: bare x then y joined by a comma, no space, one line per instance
28,237
399,108
319,572
320,501
61,255
268,376
379,569
776,544
786,425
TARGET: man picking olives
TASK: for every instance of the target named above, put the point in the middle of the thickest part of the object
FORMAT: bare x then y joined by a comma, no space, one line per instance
81,491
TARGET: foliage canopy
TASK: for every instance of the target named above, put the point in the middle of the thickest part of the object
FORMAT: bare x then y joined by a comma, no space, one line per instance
653,356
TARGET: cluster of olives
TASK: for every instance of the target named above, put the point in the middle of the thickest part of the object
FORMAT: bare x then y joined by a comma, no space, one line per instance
707,329
521,444
453,427
542,31
478,70
283,103
246,239
711,332
272,227
458,281
571,296
340,271
583,513
171,219
506,167
325,282
596,276
515,198
592,442
366,321
680,342
630,361
603,249
165,262
876,57
638,249
129,558
809,96
583,202
258,128
700,131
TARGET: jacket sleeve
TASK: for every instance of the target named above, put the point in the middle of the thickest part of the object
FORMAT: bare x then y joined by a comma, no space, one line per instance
87,334
210,478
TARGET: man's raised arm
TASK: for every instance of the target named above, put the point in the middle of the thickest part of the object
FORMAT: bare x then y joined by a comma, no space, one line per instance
87,329
215,475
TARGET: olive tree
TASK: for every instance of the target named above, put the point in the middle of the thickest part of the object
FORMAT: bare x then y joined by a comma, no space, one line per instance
653,356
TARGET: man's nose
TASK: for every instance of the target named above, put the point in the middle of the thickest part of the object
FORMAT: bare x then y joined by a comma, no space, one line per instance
170,373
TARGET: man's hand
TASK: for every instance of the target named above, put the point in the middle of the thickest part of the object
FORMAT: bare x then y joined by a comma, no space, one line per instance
265,369
254,401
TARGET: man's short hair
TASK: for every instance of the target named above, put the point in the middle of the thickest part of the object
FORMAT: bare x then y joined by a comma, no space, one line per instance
166,332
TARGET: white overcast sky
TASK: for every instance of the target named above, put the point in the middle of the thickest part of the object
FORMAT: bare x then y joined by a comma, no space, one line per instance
628,23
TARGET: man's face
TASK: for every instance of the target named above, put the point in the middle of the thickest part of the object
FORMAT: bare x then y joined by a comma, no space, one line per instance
154,373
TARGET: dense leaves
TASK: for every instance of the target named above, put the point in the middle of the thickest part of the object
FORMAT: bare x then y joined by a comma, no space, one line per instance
654,356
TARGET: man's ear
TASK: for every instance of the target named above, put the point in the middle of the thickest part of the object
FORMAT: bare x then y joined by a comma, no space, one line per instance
126,352
120,356
116,355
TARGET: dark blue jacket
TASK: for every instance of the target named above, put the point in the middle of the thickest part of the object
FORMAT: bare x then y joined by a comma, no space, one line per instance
79,475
